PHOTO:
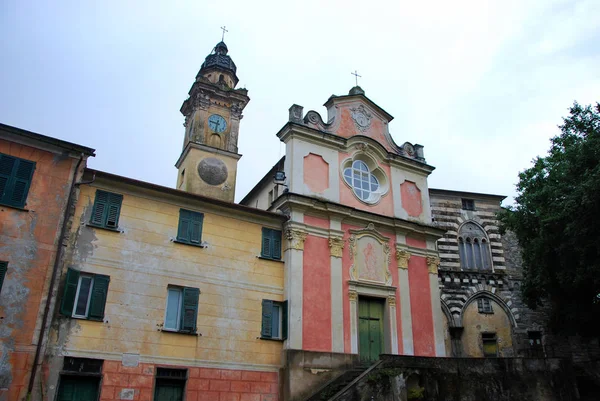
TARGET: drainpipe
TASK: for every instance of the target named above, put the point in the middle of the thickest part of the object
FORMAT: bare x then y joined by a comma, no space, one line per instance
55,269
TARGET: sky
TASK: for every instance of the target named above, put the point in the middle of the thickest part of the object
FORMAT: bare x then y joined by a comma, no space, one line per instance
481,84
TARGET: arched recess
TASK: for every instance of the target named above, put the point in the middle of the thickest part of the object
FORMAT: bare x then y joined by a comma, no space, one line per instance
447,313
474,248
495,298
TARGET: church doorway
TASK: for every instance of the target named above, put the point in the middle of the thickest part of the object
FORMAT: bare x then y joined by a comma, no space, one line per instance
370,328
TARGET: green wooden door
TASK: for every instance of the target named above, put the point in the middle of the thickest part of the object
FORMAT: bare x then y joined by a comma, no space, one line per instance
78,389
370,328
167,390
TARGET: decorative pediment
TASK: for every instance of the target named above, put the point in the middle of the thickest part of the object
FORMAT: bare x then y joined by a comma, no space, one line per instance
370,255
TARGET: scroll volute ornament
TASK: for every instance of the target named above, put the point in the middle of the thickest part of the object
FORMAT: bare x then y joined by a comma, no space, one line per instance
295,238
432,264
402,256
336,245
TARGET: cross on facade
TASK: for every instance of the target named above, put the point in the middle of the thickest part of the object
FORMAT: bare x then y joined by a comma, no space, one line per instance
356,76
224,30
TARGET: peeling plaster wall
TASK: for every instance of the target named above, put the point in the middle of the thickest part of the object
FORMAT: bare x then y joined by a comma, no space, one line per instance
142,260
28,242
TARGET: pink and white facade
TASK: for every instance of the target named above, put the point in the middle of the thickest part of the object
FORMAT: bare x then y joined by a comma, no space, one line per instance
359,228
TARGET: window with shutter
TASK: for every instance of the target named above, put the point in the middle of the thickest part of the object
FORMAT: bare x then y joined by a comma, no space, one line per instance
3,268
274,324
271,244
84,295
189,230
15,180
182,309
106,210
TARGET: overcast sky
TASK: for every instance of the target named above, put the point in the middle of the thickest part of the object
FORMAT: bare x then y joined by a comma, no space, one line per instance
481,84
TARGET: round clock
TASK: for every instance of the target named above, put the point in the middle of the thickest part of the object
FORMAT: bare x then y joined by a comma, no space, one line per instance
217,123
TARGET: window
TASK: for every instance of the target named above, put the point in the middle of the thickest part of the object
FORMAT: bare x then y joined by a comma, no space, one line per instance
15,179
271,244
490,345
3,268
274,320
473,247
182,309
468,204
170,384
107,207
535,339
485,305
190,227
84,296
361,180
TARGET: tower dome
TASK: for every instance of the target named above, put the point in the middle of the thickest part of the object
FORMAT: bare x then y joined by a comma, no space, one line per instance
219,67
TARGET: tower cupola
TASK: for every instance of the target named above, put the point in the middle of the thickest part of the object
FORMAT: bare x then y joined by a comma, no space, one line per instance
218,67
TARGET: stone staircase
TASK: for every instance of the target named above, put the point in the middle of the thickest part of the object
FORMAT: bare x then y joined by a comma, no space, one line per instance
338,385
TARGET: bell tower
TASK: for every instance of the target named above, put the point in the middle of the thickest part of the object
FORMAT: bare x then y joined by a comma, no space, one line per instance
208,162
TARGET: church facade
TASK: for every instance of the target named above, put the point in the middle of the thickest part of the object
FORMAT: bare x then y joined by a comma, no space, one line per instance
339,254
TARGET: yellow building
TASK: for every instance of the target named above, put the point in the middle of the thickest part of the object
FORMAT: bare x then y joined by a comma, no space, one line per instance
172,294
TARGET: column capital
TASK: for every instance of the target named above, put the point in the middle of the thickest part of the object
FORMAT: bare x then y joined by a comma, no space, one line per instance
432,264
402,256
336,245
392,301
295,238
352,295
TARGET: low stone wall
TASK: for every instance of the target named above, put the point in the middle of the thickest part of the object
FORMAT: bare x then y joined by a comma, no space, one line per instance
466,379
306,371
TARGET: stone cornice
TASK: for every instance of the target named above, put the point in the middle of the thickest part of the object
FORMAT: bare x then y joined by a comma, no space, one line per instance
358,217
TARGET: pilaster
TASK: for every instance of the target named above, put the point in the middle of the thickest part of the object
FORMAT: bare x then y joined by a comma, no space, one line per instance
294,259
336,246
433,263
402,257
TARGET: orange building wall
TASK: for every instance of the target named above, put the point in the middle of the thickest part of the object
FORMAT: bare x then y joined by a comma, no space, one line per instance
28,241
420,304
376,131
316,301
203,384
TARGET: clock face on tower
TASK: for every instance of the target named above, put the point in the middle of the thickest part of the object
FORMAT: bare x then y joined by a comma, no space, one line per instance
217,123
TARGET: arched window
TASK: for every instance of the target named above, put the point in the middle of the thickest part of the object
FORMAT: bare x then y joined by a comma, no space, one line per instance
473,247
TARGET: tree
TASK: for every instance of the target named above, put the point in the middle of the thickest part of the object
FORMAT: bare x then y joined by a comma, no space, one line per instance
556,219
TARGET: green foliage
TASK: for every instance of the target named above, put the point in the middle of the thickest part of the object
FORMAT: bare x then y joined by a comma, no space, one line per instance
557,222
416,393
379,374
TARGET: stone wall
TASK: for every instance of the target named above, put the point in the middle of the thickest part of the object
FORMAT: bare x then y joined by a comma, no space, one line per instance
465,379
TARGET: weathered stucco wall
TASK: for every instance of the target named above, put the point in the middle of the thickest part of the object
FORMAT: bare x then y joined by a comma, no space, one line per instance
476,323
142,261
28,241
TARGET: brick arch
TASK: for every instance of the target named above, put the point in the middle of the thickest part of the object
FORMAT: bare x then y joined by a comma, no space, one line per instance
449,316
489,292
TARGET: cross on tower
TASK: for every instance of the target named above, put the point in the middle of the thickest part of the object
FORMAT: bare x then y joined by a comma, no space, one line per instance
356,76
224,30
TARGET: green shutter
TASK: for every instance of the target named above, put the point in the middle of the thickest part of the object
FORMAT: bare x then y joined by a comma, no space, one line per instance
183,230
190,226
276,243
189,309
284,320
6,168
107,207
100,208
66,307
98,297
3,268
114,209
21,181
266,243
267,319
196,227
